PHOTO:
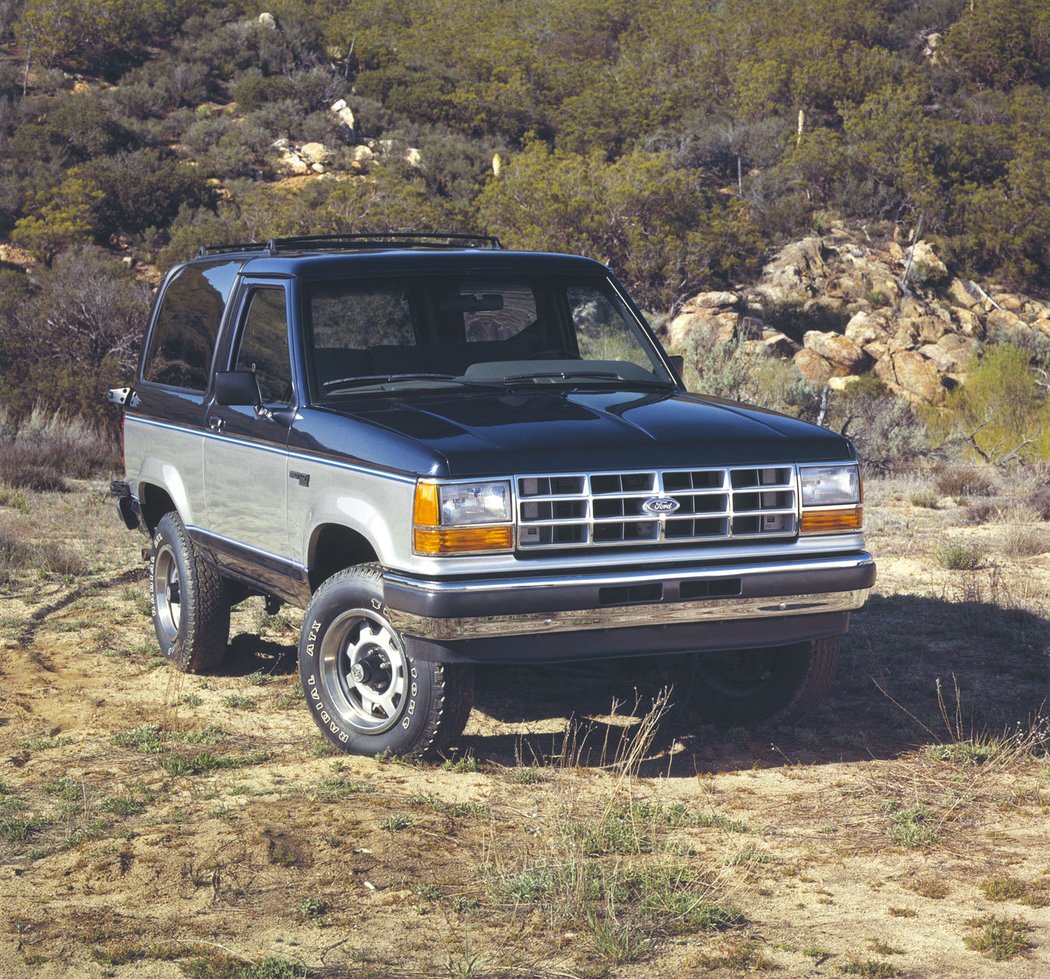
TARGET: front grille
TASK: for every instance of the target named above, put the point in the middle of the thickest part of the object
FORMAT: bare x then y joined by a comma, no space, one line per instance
625,508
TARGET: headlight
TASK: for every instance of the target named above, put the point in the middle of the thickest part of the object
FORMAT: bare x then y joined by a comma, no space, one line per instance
460,518
464,504
829,485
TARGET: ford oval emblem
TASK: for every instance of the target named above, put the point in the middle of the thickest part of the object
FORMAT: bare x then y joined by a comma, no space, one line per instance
660,504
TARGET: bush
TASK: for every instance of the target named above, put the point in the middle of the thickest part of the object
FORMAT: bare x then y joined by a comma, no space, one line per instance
960,481
664,230
46,447
889,435
73,336
1000,414
141,190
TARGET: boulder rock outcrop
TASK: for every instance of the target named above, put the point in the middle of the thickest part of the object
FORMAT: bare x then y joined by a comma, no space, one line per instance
841,305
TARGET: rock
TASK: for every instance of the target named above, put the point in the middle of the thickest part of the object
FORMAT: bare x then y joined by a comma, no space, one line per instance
837,349
926,267
912,375
315,153
951,353
704,326
776,344
412,157
865,327
344,112
1003,321
1010,302
790,278
294,163
876,350
841,384
815,368
714,300
967,322
929,329
317,167
267,20
361,158
960,294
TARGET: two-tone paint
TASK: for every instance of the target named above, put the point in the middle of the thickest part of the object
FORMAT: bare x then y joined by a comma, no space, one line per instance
259,491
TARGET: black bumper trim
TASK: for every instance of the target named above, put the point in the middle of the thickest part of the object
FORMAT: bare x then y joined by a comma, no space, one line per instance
482,602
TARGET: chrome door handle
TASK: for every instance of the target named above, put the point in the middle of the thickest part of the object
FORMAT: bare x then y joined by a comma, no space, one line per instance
216,424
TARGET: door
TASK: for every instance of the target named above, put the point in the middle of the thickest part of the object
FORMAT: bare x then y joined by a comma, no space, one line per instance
245,448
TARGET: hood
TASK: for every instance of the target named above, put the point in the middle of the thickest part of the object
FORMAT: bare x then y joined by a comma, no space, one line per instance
482,433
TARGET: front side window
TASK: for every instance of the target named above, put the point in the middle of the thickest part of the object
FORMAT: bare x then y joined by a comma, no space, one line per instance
457,331
263,347
187,325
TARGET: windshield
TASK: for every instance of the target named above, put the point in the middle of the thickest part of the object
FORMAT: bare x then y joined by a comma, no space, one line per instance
474,331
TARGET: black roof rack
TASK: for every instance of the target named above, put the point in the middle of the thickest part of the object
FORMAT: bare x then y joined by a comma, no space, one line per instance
346,242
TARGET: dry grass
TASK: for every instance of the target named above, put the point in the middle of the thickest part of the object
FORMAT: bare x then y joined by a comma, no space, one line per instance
45,449
565,837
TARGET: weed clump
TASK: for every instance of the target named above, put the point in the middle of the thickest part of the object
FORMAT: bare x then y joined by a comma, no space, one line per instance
999,938
958,556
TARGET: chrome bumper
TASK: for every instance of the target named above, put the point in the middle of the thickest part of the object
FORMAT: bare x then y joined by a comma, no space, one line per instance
447,611
624,617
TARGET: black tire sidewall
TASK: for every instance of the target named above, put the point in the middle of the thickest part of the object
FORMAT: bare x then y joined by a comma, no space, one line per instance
201,640
784,696
412,732
170,533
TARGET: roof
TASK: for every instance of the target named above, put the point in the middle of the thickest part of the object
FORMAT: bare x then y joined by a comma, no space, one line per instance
326,256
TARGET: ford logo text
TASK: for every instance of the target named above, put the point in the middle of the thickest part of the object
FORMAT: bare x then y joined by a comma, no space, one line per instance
660,504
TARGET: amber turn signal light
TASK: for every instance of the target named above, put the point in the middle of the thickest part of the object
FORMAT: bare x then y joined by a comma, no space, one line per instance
457,540
832,521
427,510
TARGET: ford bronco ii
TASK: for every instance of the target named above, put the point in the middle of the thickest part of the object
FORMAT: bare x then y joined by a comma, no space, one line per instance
452,454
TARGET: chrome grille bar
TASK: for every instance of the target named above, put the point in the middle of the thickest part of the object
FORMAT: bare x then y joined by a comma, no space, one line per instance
614,509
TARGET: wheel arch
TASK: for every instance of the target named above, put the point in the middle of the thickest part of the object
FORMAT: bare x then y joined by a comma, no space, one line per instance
335,547
154,502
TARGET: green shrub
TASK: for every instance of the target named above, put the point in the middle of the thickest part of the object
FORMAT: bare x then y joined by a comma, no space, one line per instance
1000,414
664,230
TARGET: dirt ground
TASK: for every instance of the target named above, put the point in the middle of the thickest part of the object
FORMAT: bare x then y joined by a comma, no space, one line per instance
156,824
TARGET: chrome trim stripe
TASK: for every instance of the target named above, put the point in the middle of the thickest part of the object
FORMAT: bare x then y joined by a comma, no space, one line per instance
430,586
205,536
624,617
290,453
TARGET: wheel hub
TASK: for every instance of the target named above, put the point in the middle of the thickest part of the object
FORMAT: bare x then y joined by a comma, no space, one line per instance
364,669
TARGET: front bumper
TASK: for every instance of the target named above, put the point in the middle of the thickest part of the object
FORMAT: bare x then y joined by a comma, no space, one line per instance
671,609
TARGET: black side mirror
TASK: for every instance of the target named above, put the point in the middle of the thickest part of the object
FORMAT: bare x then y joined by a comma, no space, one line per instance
234,388
677,363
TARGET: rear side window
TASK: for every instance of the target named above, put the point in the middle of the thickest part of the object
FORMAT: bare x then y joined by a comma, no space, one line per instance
187,324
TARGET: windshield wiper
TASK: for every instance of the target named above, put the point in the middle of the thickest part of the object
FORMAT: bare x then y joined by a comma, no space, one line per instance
370,379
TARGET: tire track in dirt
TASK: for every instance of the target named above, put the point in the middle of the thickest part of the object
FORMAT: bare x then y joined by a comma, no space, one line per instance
36,620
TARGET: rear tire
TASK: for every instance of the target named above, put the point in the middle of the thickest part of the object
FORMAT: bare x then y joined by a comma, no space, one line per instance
366,692
188,601
753,686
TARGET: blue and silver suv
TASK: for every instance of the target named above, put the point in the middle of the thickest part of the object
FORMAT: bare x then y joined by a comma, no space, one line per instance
451,454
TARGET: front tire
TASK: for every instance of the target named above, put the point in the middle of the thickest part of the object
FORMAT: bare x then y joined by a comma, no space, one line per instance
188,601
366,692
754,686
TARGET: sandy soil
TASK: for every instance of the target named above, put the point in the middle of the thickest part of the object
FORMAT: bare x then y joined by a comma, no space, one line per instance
566,837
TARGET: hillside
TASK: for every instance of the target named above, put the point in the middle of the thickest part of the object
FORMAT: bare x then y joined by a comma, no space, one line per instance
683,143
